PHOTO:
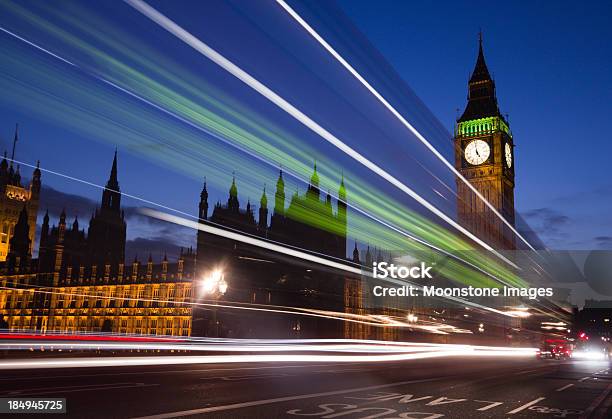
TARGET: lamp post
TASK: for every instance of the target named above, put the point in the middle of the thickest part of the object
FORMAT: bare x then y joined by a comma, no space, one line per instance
214,286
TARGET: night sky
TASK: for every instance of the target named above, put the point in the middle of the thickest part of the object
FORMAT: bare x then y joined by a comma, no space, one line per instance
551,67
551,63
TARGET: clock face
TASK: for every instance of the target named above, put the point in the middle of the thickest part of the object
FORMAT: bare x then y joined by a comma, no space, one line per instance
508,153
477,152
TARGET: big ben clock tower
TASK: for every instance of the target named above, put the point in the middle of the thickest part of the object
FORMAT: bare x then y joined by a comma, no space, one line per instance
484,154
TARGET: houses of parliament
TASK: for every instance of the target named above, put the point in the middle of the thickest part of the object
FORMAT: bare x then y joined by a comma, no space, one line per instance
82,282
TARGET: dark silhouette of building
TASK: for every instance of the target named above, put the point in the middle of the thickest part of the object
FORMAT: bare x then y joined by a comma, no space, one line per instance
66,250
106,234
258,276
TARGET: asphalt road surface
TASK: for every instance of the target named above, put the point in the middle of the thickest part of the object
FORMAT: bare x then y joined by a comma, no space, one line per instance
449,388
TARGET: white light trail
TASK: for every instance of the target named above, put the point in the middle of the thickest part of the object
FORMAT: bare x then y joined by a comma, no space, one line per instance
218,137
148,102
253,241
224,359
264,244
283,104
243,343
395,113
212,346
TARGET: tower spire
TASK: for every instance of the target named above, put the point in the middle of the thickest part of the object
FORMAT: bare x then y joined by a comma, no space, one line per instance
112,179
279,196
481,72
482,101
313,187
111,196
204,202
232,202
15,139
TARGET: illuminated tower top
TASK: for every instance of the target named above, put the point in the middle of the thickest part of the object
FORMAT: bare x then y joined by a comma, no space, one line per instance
482,111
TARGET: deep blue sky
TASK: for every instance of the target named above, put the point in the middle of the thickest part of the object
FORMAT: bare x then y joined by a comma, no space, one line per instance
552,64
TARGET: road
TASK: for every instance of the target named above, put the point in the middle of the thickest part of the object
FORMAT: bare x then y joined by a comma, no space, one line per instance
449,388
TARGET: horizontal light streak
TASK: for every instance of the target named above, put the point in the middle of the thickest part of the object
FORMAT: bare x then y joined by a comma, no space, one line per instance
213,347
366,319
264,244
110,336
452,351
273,97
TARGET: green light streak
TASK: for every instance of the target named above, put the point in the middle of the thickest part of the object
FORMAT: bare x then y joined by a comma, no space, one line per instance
114,117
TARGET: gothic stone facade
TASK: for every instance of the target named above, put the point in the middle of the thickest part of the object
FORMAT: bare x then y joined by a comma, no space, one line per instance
14,197
80,281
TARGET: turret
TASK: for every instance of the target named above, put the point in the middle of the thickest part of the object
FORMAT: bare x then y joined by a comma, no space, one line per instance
263,211
279,196
35,186
232,202
62,227
342,206
44,231
165,267
19,245
204,203
313,187
150,267
356,254
135,265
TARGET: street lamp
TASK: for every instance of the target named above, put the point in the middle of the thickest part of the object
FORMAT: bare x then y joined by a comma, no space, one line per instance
214,285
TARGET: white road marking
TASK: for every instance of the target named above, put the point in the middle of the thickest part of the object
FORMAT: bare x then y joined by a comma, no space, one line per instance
525,406
278,400
564,387
491,405
584,379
